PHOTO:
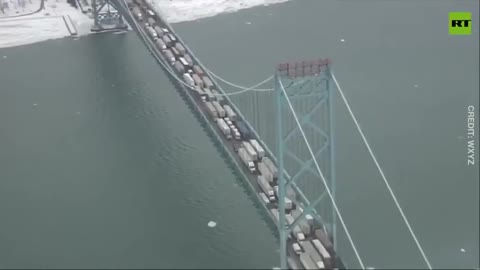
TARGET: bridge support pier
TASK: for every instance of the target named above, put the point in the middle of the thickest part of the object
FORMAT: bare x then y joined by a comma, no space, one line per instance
106,16
305,88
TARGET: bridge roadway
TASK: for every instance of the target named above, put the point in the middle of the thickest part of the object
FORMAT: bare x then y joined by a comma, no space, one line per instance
200,111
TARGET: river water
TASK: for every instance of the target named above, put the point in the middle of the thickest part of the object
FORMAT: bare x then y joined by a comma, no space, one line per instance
102,165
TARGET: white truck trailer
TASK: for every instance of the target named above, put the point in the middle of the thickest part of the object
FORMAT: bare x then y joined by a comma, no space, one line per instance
263,169
211,110
224,128
258,148
208,82
271,166
151,32
246,158
265,186
169,55
188,79
230,113
250,150
219,108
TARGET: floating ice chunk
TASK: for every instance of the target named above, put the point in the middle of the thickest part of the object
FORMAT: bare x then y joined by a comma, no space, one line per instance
78,112
4,57
35,104
463,250
342,40
212,224
415,85
248,23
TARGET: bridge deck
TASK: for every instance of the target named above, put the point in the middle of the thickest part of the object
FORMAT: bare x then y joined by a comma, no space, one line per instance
196,103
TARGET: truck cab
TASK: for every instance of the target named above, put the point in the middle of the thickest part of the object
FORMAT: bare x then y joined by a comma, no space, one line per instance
236,135
297,248
236,146
251,166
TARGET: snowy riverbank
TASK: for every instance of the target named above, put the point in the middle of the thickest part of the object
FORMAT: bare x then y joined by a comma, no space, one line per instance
48,23
190,10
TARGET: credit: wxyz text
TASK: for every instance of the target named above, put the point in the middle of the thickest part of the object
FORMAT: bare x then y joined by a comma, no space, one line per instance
471,135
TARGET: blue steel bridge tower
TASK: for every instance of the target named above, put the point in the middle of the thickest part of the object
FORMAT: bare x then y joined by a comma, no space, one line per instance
305,88
107,15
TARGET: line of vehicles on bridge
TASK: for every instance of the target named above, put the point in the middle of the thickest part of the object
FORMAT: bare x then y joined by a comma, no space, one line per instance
310,243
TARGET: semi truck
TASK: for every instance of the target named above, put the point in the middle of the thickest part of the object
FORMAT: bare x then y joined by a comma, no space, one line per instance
151,32
327,258
167,40
323,237
250,150
188,79
242,127
160,44
270,166
211,110
159,31
182,50
179,67
265,186
219,97
258,148
184,62
151,21
263,169
136,11
208,82
230,113
176,52
188,58
247,160
310,250
197,79
219,108
172,37
210,96
197,69
307,262
298,234
290,193
151,13
224,128
169,55
236,134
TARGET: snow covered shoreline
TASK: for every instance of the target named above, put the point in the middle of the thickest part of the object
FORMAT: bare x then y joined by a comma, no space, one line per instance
189,10
48,24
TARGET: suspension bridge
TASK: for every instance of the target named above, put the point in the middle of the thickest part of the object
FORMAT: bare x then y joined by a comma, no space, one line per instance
301,142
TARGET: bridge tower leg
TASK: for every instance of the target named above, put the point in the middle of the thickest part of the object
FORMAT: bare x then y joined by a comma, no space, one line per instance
305,87
106,16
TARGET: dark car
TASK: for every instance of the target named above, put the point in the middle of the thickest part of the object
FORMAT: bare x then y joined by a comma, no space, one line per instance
236,146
